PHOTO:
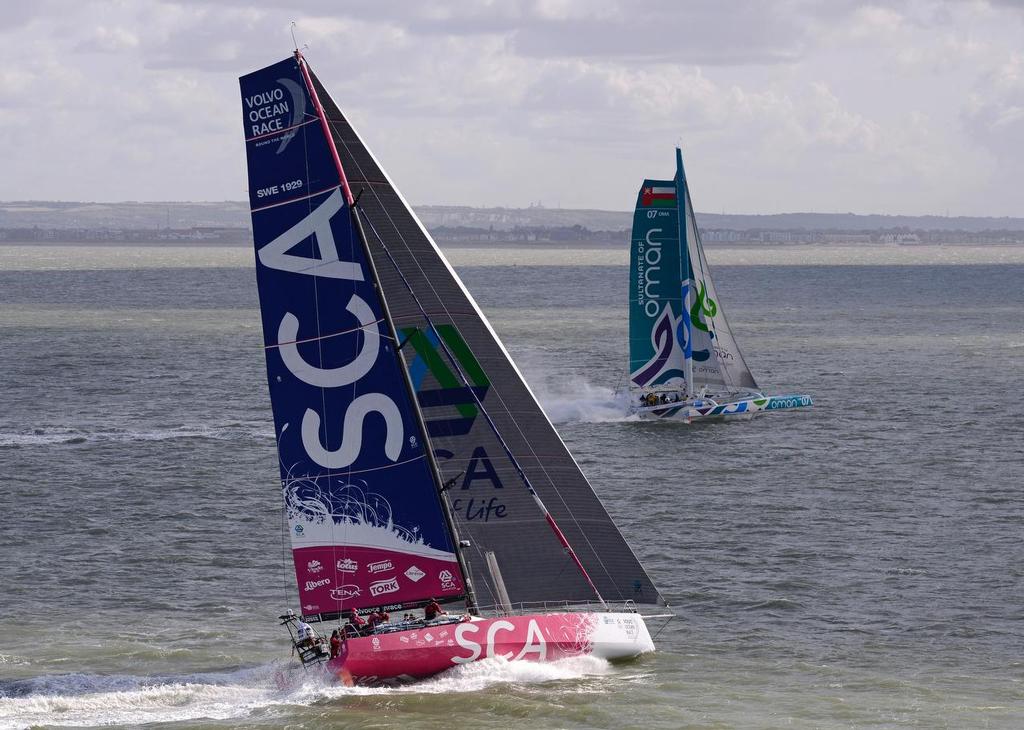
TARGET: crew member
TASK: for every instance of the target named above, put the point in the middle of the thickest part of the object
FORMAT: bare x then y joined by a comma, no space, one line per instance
305,636
356,622
335,644
432,610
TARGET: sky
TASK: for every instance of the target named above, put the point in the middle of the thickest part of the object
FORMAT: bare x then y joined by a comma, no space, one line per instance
904,107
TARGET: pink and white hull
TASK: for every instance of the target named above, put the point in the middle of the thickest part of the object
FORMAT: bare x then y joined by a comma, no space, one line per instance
423,651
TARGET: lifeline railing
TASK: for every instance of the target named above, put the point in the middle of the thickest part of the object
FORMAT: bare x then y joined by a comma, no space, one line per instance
524,607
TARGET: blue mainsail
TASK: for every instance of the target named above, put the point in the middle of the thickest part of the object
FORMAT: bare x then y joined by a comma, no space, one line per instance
364,512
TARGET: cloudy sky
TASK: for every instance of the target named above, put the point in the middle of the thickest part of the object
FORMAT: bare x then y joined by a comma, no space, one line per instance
911,107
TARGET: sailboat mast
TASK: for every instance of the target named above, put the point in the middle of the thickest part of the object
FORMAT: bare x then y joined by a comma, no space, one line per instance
471,603
684,253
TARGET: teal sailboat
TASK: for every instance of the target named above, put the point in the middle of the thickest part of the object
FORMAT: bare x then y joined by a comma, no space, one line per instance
684,362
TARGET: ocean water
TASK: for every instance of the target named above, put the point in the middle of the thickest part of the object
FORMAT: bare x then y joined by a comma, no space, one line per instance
858,564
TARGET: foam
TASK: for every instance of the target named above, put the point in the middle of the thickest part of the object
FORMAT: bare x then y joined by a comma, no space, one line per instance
91,700
58,435
577,401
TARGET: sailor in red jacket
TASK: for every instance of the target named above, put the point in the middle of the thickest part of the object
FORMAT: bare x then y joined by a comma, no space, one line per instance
432,610
356,622
335,644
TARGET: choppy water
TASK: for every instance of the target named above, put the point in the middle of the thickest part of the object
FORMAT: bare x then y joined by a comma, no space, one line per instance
856,565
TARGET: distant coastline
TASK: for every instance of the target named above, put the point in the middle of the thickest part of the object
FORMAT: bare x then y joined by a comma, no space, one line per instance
226,223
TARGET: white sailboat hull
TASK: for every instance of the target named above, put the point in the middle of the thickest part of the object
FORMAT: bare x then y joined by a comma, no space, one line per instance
423,651
700,410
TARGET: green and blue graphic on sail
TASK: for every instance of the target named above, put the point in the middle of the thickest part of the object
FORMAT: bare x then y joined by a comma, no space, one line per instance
683,358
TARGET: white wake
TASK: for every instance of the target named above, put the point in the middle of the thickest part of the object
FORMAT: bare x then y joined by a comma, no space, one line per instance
76,700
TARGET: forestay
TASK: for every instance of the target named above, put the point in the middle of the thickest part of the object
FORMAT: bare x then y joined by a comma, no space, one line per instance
493,509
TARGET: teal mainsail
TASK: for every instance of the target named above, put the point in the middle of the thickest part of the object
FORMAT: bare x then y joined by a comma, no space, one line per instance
682,352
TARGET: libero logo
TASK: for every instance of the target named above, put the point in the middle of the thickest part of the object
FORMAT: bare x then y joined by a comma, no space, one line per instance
312,585
380,587
380,566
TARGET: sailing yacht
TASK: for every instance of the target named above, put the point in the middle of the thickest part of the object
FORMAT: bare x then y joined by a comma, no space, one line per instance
684,362
416,465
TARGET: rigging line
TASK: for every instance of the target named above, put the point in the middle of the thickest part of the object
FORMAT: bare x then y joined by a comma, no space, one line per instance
663,627
334,334
499,395
487,417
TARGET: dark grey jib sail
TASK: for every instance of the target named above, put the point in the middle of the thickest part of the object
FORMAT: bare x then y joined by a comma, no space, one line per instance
457,365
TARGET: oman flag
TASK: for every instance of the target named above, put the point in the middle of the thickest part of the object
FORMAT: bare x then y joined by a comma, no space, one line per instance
658,197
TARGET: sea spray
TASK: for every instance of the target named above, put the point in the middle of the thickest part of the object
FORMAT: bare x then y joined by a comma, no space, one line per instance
575,400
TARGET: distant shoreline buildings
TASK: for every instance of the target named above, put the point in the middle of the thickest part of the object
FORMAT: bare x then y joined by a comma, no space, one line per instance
559,235
228,223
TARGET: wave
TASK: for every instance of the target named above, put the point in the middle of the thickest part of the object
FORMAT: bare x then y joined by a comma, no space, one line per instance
89,700
485,673
70,436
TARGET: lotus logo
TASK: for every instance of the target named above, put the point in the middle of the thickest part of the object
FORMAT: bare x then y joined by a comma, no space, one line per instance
414,574
348,565
314,566
342,593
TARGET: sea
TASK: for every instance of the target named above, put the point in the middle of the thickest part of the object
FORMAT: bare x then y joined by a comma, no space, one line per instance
858,564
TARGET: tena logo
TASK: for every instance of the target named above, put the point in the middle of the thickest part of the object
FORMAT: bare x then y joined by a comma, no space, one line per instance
347,565
414,574
342,593
314,566
314,584
380,587
380,566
